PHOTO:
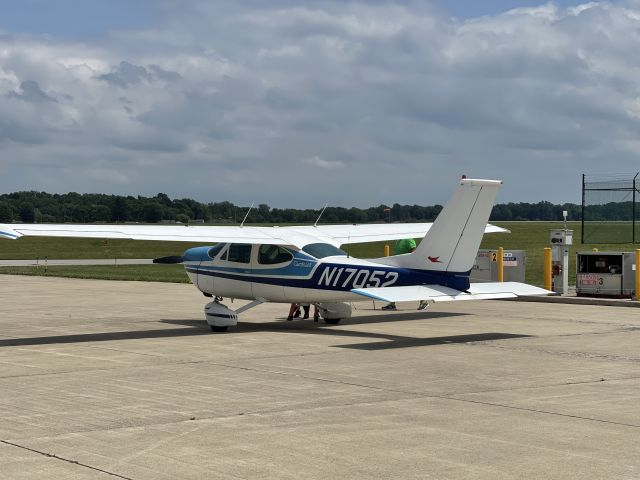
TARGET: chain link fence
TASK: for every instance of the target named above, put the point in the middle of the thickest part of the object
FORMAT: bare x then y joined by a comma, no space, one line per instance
609,210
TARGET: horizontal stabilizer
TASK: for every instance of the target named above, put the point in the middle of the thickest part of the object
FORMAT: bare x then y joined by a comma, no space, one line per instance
438,293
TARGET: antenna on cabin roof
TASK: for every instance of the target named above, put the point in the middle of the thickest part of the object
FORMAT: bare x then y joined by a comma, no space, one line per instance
318,219
245,217
348,244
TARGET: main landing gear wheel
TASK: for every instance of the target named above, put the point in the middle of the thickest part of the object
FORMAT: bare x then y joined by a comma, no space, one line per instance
215,328
332,321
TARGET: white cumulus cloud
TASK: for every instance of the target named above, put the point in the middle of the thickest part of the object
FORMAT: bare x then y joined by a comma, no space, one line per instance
385,102
318,162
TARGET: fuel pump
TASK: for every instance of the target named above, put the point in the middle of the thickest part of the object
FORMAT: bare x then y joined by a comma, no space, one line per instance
560,240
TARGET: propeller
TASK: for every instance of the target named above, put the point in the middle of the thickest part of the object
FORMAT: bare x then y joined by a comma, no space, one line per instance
170,260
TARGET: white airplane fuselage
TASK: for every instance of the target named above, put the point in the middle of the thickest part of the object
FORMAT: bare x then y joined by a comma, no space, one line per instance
300,277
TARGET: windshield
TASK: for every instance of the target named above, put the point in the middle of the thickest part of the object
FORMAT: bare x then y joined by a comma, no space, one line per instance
214,251
321,250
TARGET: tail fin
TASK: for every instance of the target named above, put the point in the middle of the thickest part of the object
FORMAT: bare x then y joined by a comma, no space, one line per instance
452,242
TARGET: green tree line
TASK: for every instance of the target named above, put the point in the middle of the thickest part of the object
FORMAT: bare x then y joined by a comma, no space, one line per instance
42,207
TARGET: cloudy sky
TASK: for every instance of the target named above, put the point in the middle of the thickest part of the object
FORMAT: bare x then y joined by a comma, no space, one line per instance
303,103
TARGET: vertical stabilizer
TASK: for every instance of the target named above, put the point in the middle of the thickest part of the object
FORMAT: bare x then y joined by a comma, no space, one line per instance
452,242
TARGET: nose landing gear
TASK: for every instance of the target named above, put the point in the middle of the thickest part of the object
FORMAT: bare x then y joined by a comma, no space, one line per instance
219,317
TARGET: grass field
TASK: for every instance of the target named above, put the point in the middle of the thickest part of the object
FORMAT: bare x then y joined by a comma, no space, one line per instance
529,236
67,248
147,273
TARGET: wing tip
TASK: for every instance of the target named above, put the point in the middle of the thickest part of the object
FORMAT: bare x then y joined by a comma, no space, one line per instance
7,232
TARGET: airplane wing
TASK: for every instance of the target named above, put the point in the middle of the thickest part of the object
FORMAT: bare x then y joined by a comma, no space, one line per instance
176,233
374,232
438,293
297,236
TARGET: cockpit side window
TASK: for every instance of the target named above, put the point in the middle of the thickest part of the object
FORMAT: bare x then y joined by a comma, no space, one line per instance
321,250
273,254
239,253
215,250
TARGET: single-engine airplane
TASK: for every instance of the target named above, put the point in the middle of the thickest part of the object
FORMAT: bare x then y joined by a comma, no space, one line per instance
304,264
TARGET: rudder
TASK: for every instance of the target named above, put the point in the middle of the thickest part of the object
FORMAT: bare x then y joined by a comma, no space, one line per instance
452,242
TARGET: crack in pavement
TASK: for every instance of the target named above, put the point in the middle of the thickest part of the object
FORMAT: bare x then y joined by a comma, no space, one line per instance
64,459
561,353
546,412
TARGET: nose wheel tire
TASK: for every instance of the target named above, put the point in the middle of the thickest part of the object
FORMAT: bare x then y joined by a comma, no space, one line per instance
332,321
218,329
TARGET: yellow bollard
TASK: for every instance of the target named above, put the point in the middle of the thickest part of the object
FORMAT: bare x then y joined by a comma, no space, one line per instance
547,268
386,250
500,264
637,274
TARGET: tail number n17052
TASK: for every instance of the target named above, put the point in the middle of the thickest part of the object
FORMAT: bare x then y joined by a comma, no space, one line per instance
341,277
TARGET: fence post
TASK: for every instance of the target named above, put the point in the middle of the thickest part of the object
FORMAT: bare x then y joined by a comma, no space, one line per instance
500,264
386,250
582,213
633,212
547,268
637,274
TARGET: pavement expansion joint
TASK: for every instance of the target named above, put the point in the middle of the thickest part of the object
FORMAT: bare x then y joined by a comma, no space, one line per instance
122,350
622,329
43,374
589,355
544,412
169,362
531,387
63,459
264,357
317,379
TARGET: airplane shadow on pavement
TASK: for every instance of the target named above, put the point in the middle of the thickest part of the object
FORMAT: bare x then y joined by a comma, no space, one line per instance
386,341
199,327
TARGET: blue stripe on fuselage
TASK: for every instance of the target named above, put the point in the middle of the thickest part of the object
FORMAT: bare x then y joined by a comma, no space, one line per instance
342,277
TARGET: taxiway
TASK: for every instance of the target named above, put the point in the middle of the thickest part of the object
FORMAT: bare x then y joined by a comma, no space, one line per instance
104,379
